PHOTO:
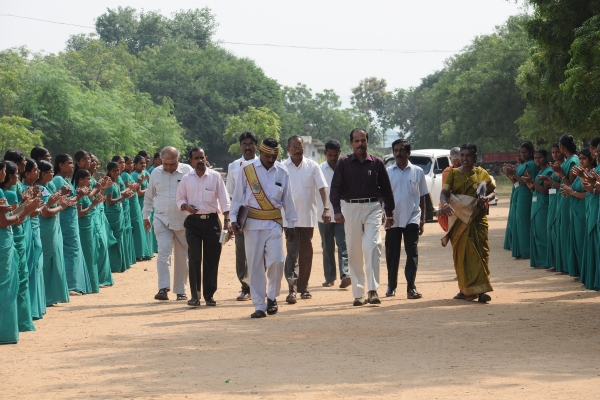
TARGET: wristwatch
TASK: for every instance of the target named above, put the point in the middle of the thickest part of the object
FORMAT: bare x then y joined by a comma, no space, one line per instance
226,219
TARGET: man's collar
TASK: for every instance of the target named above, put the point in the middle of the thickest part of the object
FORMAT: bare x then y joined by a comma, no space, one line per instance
289,161
368,157
408,165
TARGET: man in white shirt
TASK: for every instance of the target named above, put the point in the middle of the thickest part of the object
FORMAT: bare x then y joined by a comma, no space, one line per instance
201,196
333,232
248,144
168,222
410,188
306,178
263,186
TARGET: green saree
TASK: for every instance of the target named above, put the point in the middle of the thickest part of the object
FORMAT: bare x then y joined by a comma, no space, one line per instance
20,237
521,233
470,247
539,225
577,230
563,220
591,250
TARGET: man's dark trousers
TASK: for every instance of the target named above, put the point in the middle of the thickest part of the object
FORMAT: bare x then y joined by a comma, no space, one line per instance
298,262
393,240
241,265
204,250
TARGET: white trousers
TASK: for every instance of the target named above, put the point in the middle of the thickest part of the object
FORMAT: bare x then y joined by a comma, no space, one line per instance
171,241
264,251
363,241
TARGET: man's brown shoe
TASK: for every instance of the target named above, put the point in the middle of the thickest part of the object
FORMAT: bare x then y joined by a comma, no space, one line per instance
413,294
328,284
291,298
361,301
373,297
346,281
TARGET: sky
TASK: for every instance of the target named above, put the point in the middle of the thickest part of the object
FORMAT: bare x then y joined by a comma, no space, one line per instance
435,29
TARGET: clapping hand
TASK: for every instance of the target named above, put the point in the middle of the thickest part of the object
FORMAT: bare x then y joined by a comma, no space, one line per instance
588,186
566,190
556,167
3,207
82,192
105,182
98,199
53,199
65,190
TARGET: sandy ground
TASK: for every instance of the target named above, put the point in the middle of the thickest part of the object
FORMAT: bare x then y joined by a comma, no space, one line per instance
538,338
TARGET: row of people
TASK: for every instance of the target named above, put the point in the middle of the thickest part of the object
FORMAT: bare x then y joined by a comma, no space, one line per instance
265,199
70,231
553,217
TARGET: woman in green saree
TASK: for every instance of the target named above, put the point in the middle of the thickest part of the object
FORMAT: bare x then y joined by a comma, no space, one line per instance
127,236
20,236
119,259
575,195
78,277
469,232
102,232
141,177
55,278
9,264
539,211
85,208
35,258
508,233
552,226
156,162
521,223
565,175
138,232
591,250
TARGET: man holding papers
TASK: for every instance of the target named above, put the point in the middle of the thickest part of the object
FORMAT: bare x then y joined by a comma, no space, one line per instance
201,194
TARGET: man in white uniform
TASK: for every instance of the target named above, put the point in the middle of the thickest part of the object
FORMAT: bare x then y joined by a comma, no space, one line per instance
410,189
263,185
332,233
168,223
306,178
248,144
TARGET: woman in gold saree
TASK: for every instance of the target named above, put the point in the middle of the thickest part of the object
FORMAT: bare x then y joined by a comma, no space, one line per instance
468,231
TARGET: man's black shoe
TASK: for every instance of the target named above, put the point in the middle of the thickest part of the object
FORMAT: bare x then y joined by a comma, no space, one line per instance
211,302
162,295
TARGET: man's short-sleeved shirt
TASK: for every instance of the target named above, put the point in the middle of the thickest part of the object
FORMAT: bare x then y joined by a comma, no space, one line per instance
408,187
306,180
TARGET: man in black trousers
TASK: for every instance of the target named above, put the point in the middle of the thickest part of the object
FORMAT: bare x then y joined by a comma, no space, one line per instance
202,195
410,188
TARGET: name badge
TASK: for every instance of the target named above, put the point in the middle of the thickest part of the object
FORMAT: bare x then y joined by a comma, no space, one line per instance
552,191
534,199
516,185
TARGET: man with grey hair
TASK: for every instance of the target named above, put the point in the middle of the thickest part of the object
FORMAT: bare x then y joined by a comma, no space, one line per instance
168,223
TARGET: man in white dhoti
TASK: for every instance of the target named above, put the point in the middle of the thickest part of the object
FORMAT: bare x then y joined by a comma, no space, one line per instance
263,185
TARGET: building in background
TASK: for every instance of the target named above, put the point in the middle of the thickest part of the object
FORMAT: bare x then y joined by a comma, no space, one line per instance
313,148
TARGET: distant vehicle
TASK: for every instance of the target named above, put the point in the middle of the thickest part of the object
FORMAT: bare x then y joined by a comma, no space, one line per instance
493,161
433,162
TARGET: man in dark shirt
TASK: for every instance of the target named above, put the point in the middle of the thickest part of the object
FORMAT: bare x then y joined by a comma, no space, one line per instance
359,183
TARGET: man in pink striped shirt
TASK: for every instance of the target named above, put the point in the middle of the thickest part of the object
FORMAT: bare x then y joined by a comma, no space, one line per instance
201,194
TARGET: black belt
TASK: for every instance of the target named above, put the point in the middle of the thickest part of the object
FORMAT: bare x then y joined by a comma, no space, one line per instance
203,216
365,200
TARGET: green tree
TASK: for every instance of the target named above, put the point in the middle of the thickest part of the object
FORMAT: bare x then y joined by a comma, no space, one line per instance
473,98
189,28
320,115
262,121
16,133
207,87
555,104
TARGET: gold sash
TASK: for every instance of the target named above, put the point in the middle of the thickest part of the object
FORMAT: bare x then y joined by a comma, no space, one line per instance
267,211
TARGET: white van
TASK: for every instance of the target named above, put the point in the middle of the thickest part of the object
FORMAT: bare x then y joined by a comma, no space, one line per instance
433,162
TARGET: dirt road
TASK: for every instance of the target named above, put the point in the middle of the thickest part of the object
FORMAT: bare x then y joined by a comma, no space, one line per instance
538,338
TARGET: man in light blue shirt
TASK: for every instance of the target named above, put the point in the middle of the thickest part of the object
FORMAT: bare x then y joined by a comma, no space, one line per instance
410,189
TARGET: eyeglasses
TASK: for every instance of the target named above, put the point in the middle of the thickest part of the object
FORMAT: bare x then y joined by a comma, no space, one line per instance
248,144
295,148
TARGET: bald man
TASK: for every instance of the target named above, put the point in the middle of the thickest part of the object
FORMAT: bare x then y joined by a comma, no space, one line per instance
168,223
